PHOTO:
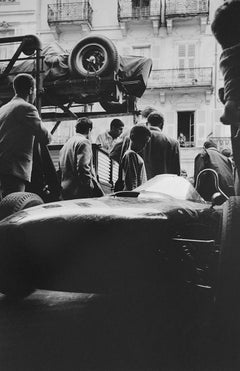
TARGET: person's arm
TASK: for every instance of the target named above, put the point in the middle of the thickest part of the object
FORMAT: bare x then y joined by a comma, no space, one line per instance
115,153
119,149
199,164
33,121
175,160
130,171
83,158
99,140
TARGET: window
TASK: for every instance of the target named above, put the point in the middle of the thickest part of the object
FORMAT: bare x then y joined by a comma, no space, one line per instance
186,128
186,58
140,8
3,51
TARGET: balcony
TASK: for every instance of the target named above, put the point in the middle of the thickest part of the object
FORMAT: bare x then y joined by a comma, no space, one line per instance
175,9
180,78
186,8
195,78
128,12
64,14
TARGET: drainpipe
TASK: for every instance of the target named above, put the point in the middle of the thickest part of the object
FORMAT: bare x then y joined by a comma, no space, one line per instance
215,73
38,17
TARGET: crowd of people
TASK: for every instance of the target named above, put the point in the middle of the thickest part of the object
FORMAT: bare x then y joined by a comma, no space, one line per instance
142,152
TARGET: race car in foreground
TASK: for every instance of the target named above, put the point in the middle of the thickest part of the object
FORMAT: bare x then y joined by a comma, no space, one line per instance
162,234
93,71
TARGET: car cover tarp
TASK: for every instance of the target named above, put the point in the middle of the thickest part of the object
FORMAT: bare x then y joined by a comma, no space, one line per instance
135,68
55,67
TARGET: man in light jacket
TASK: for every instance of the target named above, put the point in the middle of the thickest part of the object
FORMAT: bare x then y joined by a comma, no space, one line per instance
78,178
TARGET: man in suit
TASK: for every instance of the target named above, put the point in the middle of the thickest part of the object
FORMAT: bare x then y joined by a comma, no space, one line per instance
19,125
78,178
211,158
161,155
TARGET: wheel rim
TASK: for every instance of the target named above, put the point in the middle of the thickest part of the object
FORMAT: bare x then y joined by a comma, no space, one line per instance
91,58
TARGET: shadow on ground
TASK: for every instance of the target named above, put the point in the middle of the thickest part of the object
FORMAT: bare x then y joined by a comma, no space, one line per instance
56,331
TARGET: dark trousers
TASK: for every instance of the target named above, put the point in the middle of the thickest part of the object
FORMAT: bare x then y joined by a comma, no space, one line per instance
10,184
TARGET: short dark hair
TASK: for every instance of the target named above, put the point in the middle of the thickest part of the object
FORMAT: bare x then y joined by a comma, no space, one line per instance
23,82
83,125
146,111
139,132
209,143
116,124
226,25
226,152
156,119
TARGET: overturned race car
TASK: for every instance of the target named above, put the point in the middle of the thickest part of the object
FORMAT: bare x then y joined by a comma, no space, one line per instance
92,72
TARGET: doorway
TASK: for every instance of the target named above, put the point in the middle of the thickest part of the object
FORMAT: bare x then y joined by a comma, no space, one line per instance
185,128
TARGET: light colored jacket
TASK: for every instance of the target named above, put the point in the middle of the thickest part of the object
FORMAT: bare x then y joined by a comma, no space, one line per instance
19,124
77,172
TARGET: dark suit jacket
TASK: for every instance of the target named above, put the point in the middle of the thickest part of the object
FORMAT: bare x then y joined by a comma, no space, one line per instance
161,154
213,159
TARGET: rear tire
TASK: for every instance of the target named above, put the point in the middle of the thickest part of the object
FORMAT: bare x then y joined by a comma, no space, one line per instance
228,284
18,201
94,56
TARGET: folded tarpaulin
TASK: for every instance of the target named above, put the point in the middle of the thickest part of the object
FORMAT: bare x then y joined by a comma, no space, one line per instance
133,68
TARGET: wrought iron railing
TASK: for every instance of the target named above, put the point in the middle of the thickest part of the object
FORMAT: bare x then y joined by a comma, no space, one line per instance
127,11
172,78
186,7
106,169
70,12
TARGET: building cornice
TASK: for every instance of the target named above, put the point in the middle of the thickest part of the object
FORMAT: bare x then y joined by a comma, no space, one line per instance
17,12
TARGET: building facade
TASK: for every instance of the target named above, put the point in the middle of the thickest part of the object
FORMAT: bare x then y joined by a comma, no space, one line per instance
176,34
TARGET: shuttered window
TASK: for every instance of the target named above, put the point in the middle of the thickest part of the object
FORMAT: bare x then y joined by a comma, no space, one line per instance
186,55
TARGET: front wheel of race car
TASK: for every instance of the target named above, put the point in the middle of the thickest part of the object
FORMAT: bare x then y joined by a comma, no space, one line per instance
94,56
228,283
18,201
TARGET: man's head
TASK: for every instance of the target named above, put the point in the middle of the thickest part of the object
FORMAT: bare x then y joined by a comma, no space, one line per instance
209,144
226,152
140,136
155,119
84,126
116,128
146,111
226,25
25,87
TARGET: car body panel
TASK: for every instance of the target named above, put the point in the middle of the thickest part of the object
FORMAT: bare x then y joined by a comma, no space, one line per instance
104,243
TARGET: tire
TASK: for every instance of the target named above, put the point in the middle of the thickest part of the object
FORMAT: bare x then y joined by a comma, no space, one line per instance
17,273
18,201
98,49
228,284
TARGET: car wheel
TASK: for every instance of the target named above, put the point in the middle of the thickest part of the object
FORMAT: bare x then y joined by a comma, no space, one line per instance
16,269
18,201
227,289
94,55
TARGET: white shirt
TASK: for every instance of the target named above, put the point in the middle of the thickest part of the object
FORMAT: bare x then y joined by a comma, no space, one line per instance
106,140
